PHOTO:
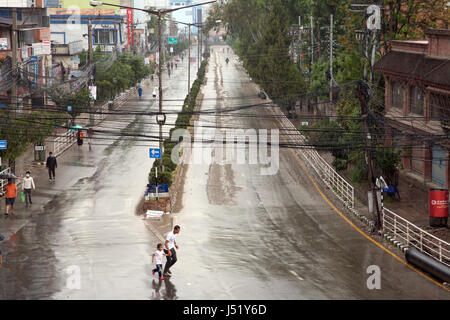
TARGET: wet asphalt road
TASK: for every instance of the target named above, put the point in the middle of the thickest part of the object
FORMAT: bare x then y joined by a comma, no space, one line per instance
243,236
85,221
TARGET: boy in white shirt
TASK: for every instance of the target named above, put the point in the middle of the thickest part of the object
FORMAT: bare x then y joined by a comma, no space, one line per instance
27,184
159,253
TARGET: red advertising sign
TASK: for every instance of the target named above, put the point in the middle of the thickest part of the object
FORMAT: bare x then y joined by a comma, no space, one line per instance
130,25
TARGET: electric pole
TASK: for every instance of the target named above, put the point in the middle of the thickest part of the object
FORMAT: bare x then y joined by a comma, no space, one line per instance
331,58
189,65
14,40
198,47
92,68
160,89
300,42
312,42
363,94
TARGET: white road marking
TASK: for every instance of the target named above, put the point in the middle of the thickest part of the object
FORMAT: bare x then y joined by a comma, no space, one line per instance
296,275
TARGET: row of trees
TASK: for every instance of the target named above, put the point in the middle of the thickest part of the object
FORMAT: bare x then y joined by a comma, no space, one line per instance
183,122
258,31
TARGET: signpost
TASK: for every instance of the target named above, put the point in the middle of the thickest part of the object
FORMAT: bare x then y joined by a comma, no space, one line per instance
69,108
173,40
3,144
155,153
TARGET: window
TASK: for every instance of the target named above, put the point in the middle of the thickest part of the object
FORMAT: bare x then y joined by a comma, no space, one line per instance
397,95
416,100
104,36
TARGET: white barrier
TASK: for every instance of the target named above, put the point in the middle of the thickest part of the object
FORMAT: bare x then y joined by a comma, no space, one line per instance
394,227
340,187
412,236
63,142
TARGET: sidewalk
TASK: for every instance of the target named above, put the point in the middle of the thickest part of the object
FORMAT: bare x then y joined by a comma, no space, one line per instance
413,205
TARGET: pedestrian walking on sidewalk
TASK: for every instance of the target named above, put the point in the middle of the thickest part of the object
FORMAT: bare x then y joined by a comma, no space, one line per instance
171,65
157,257
170,246
140,92
51,166
80,137
10,195
27,184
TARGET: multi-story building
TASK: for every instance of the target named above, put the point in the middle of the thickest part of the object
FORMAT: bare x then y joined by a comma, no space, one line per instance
68,26
417,104
33,55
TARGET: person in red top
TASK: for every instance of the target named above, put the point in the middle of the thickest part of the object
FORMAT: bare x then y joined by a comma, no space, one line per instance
10,195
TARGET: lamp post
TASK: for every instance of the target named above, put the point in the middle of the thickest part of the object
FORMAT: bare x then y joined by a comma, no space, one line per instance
159,13
189,49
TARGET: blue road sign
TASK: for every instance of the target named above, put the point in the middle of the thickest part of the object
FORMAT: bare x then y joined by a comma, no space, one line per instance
3,144
163,188
155,153
69,108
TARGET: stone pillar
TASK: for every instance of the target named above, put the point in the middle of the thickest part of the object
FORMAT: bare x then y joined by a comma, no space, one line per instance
406,158
428,155
405,100
387,93
427,106
447,169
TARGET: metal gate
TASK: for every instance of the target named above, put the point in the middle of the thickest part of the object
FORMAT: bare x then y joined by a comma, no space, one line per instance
439,164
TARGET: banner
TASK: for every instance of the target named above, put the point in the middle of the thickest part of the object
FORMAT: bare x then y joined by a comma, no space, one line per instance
130,26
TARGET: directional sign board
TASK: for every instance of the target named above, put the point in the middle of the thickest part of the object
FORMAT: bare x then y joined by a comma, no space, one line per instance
155,153
3,144
69,108
163,188
173,40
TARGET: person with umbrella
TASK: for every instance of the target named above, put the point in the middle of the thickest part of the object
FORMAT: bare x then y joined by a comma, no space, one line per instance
10,195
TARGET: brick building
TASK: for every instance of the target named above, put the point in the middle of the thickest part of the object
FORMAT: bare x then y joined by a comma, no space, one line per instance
417,104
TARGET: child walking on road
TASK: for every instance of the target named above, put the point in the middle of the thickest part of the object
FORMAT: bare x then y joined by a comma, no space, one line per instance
159,253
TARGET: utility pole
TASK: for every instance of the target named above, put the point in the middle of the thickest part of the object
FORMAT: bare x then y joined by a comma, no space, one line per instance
319,48
198,47
331,58
160,89
14,40
189,65
300,42
90,63
201,45
363,94
312,41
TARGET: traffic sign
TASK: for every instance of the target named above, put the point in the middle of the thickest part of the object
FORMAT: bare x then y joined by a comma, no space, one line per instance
173,40
69,108
162,188
155,153
3,144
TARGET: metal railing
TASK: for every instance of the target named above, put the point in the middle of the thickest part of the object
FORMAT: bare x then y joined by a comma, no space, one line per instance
399,228
413,236
3,182
340,187
63,142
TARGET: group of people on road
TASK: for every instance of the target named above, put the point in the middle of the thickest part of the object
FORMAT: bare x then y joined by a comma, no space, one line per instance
10,189
167,250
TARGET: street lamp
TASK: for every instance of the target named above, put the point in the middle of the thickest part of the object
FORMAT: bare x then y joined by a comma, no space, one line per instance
189,49
159,13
